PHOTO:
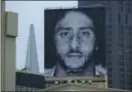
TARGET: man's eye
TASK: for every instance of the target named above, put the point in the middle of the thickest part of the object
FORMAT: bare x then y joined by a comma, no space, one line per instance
63,34
85,33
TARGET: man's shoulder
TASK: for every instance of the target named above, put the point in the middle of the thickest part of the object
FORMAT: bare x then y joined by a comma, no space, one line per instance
100,70
49,72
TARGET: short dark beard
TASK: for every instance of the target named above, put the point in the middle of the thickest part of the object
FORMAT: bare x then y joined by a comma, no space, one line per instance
76,70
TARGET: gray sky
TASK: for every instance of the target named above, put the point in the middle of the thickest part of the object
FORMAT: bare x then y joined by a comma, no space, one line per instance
32,12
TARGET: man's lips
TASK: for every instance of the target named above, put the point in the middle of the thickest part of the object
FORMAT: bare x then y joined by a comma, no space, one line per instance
74,55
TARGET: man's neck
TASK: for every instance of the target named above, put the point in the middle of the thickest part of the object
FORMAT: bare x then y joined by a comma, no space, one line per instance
89,71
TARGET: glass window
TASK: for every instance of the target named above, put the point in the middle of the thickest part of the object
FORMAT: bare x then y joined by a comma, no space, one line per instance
109,57
109,45
109,38
109,81
122,70
110,32
110,69
121,62
126,19
119,18
109,62
110,17
109,27
121,5
122,81
109,51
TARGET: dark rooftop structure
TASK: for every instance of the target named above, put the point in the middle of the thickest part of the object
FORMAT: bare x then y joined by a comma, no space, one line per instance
29,82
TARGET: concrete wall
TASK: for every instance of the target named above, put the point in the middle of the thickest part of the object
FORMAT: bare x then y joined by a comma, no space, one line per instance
8,34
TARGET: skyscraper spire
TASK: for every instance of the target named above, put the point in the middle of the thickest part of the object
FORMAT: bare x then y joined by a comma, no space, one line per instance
31,65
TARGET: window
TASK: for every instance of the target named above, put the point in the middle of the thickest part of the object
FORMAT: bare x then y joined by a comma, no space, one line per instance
121,44
109,57
121,38
121,5
73,81
109,62
109,51
109,69
122,70
109,81
121,32
110,17
122,86
109,38
122,81
119,18
122,27
109,27
121,62
126,19
128,7
110,85
110,32
109,45
129,28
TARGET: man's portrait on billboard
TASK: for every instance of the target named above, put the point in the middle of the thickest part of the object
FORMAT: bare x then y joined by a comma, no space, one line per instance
75,42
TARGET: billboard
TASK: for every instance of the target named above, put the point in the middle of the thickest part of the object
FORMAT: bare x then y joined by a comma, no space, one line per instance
75,42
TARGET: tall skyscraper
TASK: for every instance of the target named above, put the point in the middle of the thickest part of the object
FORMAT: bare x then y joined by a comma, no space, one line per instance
118,41
31,65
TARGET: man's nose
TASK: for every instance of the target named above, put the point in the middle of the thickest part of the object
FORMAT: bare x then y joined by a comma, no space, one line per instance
75,42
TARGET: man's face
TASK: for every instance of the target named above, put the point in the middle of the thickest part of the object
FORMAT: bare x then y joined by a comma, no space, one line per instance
75,39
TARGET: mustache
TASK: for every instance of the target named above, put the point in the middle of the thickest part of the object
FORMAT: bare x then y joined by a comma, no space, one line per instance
73,52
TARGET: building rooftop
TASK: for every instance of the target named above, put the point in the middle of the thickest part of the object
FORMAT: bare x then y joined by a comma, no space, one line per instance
78,87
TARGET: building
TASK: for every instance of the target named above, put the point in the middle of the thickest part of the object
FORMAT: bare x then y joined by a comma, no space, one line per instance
29,82
119,35
118,40
9,32
100,82
78,87
31,65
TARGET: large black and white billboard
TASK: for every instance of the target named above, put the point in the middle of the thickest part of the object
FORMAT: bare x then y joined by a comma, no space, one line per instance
75,42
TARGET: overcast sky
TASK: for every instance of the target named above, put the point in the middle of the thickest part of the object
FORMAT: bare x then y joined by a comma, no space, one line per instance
32,12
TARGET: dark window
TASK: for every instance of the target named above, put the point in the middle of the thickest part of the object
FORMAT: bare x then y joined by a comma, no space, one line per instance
122,82
109,45
121,5
109,74
122,86
128,7
109,81
110,39
109,51
72,81
110,17
121,32
110,85
109,27
109,32
122,69
121,44
121,38
122,62
119,18
109,69
126,18
109,63
122,27
64,81
130,28
109,57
